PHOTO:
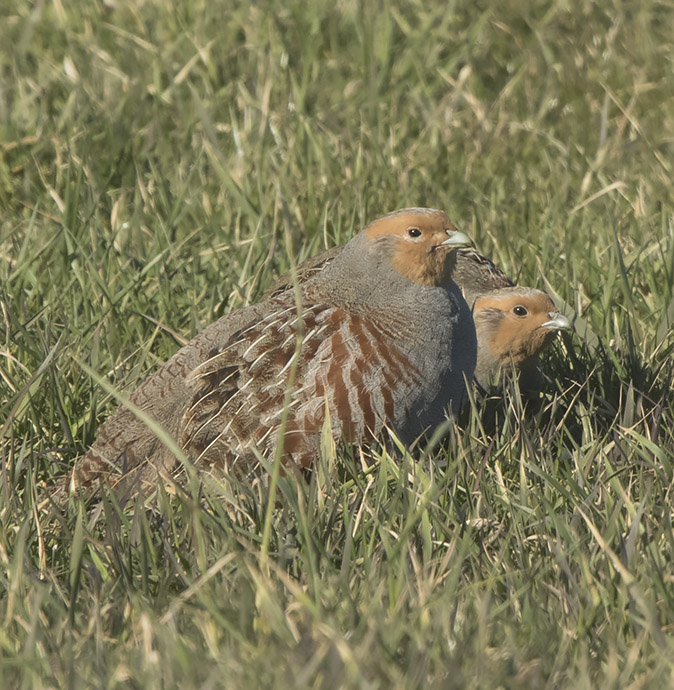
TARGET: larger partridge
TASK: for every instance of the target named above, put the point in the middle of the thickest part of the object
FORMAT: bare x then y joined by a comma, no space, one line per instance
381,337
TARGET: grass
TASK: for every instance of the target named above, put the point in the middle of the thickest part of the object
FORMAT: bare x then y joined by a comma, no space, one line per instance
153,159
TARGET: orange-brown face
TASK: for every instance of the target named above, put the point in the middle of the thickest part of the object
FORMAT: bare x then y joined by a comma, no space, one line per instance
517,323
425,241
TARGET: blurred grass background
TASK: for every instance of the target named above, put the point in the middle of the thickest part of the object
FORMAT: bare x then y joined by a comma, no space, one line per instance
152,154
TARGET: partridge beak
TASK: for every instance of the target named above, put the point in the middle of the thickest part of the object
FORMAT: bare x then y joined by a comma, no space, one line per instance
558,322
457,239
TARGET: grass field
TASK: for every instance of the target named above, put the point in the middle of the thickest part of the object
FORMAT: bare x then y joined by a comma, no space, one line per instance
160,163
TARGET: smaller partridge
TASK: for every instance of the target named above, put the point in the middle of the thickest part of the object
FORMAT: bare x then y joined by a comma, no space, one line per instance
513,325
381,337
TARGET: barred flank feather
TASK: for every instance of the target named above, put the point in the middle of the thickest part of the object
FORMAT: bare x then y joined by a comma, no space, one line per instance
344,360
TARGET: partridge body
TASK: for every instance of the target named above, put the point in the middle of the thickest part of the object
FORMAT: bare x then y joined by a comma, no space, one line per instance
380,337
513,325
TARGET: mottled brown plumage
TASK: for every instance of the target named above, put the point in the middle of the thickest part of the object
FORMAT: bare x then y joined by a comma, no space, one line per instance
381,337
476,274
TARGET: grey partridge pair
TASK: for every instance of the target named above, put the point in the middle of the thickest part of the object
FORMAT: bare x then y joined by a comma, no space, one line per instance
380,337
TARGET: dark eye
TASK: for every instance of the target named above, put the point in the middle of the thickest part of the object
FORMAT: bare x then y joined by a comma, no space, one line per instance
414,232
519,310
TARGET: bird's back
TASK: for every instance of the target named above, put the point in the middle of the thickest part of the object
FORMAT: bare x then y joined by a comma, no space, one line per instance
398,366
124,442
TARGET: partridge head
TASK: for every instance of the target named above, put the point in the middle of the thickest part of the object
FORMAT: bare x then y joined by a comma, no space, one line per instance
513,326
419,243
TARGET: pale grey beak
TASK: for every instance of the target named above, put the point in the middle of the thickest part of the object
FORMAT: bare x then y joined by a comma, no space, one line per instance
457,239
558,322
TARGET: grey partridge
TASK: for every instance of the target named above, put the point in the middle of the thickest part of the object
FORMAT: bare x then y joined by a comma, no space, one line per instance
380,337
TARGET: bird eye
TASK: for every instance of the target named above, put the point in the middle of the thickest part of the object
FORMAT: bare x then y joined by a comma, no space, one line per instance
414,232
519,310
